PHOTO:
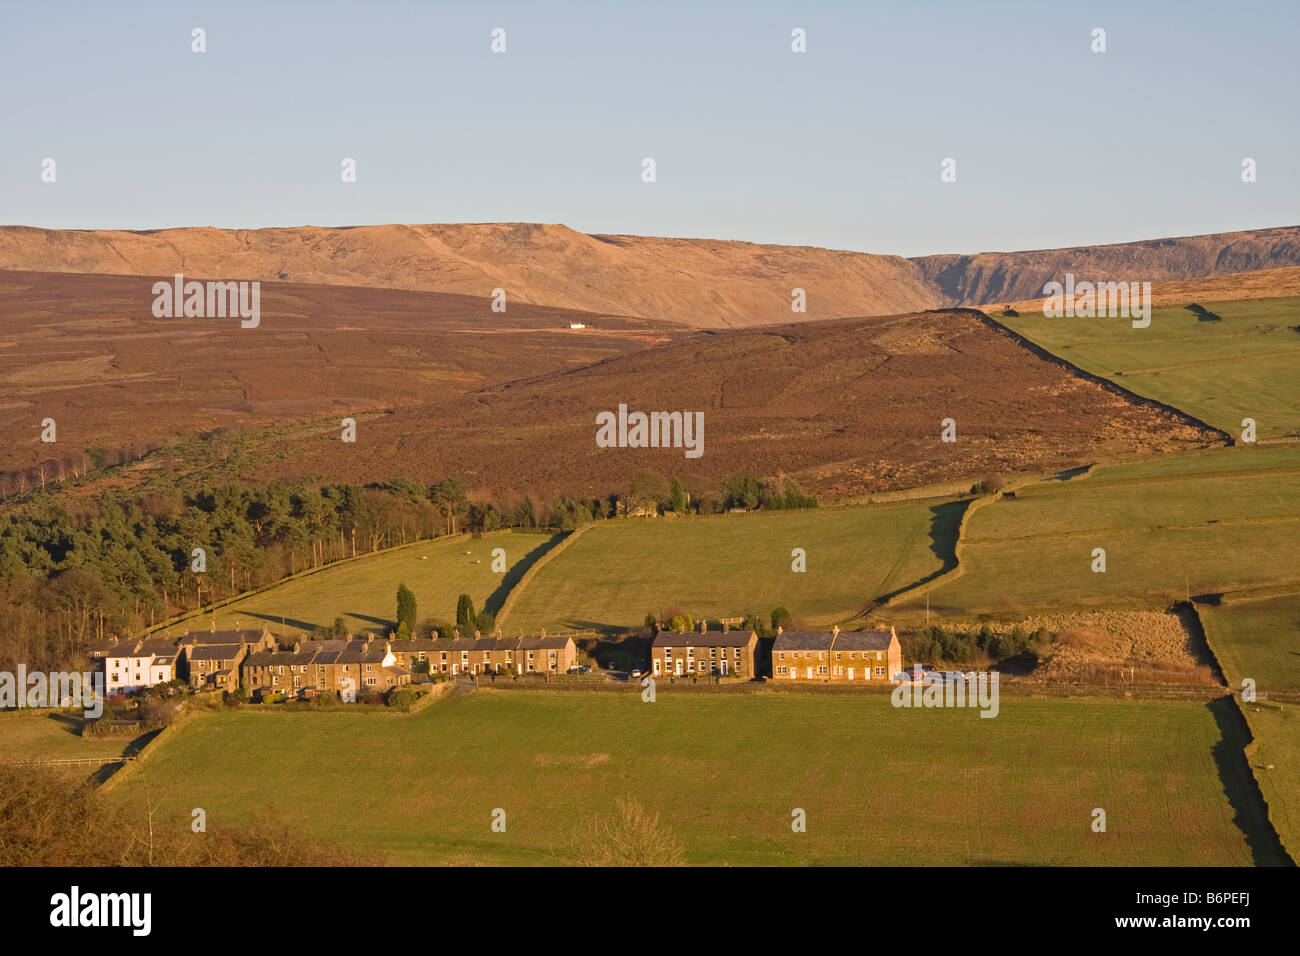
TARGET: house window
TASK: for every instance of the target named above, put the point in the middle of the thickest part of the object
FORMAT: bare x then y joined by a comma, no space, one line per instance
780,669
780,655
839,671
821,669
880,672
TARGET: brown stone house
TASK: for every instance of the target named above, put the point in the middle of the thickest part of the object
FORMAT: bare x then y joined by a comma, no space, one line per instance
416,651
361,665
348,668
720,653
545,655
213,666
836,656
489,655
289,672
453,657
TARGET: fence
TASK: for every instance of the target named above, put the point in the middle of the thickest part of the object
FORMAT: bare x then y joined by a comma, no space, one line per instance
70,761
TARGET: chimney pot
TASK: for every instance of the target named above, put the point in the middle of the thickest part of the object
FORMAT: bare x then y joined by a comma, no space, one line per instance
704,625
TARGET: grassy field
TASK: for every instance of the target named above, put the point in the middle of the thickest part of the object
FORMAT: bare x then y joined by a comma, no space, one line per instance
1261,639
1276,729
726,565
364,592
1257,639
1242,365
1206,523
46,735
1020,788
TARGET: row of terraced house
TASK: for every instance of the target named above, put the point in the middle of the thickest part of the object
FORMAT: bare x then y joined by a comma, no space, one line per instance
833,656
223,660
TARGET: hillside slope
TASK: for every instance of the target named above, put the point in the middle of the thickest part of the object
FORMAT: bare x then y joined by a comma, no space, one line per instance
1001,277
703,283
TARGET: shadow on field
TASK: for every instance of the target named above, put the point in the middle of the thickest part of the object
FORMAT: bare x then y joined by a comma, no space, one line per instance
294,623
1241,788
69,723
383,622
517,571
945,519
606,631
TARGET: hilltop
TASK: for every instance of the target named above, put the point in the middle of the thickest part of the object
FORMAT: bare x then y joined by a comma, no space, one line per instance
703,283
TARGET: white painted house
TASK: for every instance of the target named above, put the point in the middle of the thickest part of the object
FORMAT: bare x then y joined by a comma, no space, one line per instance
132,665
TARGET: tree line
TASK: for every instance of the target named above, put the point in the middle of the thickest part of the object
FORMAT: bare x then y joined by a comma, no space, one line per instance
72,571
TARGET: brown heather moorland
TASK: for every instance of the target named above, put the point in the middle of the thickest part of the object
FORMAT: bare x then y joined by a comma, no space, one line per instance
441,386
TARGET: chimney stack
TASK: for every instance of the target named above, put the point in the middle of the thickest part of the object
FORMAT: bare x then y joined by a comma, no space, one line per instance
835,632
780,629
704,625
726,625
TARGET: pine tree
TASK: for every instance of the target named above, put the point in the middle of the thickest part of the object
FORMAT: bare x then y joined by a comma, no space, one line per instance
405,609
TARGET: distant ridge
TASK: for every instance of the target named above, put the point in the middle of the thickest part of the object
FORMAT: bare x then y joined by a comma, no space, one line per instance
703,283
1002,277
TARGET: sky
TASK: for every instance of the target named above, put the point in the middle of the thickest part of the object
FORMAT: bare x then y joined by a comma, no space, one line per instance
840,146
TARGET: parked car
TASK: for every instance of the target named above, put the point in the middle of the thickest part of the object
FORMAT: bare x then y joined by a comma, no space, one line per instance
636,672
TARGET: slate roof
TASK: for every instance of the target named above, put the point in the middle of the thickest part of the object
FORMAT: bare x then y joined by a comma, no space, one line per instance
863,641
214,652
736,638
293,658
417,644
163,647
826,640
543,643
803,641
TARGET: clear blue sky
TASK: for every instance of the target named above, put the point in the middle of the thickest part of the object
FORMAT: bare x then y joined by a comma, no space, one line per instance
838,147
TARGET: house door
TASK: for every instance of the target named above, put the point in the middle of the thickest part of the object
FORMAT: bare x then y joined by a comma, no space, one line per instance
679,667
850,673
724,668
810,672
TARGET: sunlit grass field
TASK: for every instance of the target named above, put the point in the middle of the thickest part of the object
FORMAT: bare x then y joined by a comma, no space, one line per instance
879,785
725,565
364,591
1244,365
1199,524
